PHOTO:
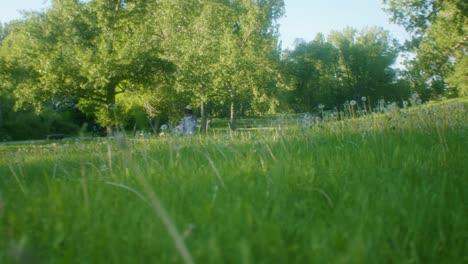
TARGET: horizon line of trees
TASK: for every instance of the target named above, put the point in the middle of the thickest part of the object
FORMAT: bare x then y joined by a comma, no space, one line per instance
138,63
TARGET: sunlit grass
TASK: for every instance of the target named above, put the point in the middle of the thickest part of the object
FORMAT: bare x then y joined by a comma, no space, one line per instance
383,188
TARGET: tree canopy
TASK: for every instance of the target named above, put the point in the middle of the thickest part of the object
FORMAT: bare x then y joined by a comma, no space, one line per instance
88,52
348,65
439,30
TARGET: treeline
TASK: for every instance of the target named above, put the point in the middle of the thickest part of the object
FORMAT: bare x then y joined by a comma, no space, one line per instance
138,63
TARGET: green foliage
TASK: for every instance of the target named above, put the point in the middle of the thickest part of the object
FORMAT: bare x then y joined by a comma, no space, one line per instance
236,60
95,50
348,66
27,124
3,32
439,31
88,50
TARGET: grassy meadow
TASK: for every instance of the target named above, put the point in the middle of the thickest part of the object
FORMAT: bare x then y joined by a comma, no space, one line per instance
381,188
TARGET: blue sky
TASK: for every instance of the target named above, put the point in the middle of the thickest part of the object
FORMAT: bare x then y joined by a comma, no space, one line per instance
304,18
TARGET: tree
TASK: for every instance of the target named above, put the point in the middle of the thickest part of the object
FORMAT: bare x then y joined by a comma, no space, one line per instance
226,52
197,51
90,51
348,66
249,65
365,61
439,29
314,66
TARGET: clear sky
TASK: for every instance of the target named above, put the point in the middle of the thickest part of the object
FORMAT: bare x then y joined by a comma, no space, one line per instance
303,19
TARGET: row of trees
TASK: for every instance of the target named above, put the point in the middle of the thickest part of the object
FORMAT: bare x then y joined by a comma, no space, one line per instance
348,65
130,61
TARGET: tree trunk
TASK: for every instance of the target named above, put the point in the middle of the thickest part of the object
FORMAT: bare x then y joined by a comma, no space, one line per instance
111,108
232,119
203,117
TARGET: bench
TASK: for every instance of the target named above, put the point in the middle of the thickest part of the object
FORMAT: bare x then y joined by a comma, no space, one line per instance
55,137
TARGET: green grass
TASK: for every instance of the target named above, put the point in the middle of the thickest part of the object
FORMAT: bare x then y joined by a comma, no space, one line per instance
381,189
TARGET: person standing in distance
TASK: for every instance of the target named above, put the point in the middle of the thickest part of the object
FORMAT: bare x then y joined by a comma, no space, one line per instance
189,122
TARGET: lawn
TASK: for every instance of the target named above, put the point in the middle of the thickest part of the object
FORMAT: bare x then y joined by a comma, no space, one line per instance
383,188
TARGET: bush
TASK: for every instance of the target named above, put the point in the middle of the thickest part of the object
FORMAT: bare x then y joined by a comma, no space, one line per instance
26,124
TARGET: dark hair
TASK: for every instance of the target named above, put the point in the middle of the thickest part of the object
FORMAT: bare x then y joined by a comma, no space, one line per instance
189,111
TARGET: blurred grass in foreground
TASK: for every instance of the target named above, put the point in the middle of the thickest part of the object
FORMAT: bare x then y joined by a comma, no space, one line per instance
387,188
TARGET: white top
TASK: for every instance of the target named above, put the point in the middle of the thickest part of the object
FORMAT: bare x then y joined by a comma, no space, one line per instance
189,123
